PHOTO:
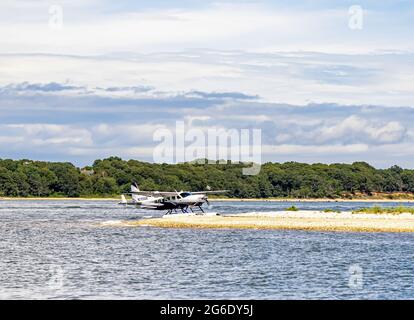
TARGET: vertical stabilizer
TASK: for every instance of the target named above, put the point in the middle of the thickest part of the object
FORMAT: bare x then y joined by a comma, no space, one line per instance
134,187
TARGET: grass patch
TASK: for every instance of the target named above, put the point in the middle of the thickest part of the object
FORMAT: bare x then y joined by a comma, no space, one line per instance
292,208
331,211
382,210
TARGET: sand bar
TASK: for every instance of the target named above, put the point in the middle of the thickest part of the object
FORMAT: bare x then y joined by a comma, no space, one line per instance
300,220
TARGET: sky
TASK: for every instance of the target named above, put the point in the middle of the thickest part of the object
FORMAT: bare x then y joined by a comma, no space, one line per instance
325,81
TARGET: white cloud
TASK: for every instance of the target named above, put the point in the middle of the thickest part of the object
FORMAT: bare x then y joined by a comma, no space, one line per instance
356,128
311,73
125,134
122,120
381,79
32,136
291,149
90,29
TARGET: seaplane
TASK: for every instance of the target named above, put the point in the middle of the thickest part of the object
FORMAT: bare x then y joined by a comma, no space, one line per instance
172,202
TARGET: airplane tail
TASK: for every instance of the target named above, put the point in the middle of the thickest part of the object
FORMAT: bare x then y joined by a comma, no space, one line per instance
137,198
134,187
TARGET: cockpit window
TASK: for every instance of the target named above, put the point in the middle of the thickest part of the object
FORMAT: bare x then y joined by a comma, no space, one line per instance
185,194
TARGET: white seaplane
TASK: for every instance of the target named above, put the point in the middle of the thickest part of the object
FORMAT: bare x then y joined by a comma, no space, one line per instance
184,201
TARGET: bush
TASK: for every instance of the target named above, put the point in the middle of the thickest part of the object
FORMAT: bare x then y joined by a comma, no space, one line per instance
292,208
382,210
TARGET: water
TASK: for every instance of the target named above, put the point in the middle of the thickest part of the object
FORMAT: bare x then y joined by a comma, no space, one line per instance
73,250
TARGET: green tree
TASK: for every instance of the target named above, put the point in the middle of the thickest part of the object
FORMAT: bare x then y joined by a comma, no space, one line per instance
8,186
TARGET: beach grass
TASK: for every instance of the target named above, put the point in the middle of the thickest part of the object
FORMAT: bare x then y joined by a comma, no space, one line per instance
385,210
292,208
331,211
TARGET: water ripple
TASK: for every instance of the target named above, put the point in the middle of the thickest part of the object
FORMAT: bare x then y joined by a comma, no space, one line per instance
76,250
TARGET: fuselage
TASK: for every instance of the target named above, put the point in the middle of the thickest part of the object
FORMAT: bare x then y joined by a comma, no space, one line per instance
144,200
191,199
155,200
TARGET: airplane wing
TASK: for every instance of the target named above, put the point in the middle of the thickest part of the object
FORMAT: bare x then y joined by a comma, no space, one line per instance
210,192
172,194
153,193
164,194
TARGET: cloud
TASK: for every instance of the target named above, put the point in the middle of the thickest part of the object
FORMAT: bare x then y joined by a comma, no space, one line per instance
297,78
46,87
115,73
290,149
254,26
134,89
355,129
78,123
46,135
221,95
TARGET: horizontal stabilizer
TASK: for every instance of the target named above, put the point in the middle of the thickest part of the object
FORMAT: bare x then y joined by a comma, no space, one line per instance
123,200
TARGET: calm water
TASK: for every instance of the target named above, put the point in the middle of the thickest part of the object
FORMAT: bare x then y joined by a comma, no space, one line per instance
70,250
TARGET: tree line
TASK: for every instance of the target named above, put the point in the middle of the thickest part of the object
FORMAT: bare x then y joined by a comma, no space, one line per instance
112,176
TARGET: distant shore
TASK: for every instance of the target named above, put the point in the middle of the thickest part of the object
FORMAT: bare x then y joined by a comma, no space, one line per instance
56,199
315,200
219,199
283,220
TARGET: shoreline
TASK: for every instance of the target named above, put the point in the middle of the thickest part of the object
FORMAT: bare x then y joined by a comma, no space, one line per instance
57,199
384,200
283,220
312,200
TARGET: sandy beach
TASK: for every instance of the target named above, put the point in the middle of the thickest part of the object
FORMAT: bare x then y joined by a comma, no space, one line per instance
300,220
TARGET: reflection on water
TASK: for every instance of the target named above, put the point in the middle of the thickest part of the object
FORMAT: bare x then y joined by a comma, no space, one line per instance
64,250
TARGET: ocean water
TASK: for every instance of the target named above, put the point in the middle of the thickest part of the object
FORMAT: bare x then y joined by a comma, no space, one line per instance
74,250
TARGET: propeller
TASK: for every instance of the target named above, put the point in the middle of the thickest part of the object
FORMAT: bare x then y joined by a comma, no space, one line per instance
209,206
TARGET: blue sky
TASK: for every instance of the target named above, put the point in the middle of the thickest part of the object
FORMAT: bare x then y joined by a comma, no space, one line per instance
116,71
